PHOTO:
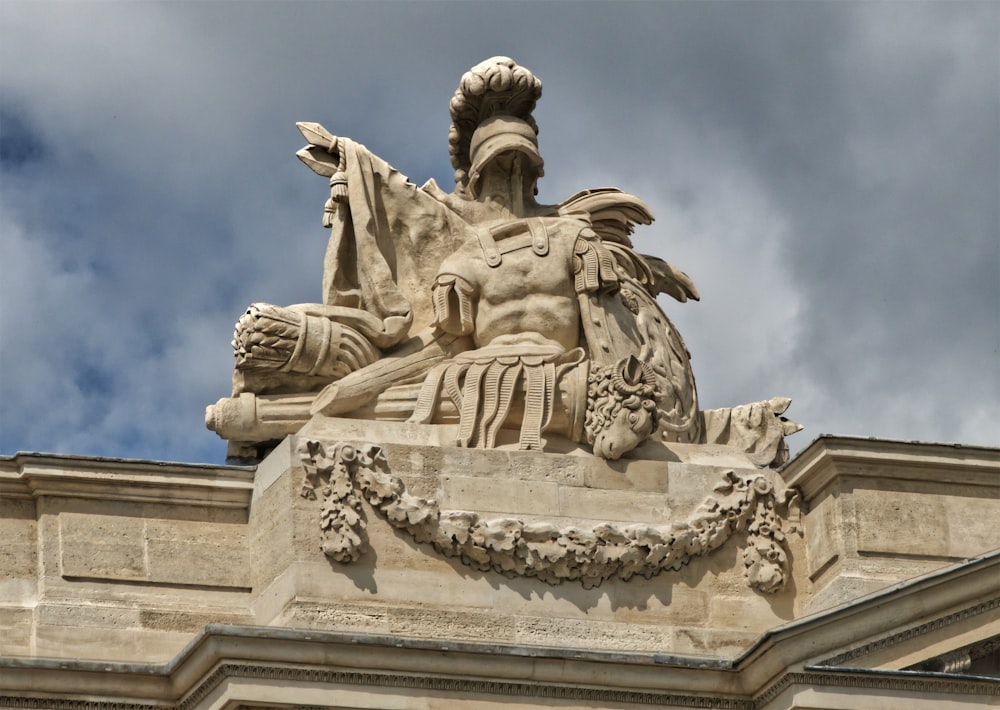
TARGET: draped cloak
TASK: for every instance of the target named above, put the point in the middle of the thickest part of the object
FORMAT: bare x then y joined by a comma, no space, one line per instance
386,245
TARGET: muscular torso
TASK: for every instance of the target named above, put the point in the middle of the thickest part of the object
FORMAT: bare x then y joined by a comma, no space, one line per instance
528,297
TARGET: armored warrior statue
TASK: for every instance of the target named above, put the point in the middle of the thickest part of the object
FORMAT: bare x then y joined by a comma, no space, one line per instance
482,308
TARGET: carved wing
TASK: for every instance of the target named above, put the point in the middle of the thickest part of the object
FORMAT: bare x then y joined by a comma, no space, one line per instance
668,279
613,214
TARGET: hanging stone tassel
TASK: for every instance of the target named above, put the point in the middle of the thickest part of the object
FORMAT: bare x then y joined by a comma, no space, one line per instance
338,192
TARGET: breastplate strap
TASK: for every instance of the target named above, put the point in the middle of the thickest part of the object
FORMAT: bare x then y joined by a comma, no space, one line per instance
510,236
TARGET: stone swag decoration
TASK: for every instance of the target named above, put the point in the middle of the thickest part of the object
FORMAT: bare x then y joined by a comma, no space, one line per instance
342,474
481,307
499,321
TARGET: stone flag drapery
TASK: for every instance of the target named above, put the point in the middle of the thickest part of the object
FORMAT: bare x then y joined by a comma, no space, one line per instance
386,244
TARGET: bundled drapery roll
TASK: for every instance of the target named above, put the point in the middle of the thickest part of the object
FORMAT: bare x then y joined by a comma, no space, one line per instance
274,338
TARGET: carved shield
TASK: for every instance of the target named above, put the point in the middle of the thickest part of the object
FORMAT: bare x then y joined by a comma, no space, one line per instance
630,322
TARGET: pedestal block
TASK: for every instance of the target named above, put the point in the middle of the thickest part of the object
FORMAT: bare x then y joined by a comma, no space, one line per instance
377,528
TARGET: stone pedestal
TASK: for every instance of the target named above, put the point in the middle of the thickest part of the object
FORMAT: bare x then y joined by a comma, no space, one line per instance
408,588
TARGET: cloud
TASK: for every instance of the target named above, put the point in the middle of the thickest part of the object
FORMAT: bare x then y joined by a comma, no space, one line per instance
826,172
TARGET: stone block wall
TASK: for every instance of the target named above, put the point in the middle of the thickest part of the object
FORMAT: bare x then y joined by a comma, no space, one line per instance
880,512
106,559
122,560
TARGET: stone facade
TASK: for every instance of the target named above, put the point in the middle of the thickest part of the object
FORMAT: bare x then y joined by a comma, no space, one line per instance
168,585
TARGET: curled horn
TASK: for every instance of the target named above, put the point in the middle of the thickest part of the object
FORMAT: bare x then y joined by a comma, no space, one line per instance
632,376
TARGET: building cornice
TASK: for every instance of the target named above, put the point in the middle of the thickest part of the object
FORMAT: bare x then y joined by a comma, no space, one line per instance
224,655
33,475
827,457
784,657
891,616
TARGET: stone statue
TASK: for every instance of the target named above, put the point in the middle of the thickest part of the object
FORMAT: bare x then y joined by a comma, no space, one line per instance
481,308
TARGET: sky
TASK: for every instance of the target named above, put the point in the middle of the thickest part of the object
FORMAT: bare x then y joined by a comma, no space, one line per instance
828,174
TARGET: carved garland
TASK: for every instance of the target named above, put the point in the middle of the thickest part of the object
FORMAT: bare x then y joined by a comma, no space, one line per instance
338,474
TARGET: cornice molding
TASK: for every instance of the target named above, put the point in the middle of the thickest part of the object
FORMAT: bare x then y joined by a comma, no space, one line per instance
828,457
831,679
866,679
955,593
27,475
477,686
910,634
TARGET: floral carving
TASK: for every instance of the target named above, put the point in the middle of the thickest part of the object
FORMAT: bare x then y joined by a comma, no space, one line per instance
332,475
341,474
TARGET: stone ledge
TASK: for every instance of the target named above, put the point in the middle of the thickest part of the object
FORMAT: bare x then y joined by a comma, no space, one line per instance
224,659
443,435
27,475
879,512
828,457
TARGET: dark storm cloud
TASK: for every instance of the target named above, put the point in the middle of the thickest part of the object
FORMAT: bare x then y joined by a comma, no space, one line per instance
18,145
826,172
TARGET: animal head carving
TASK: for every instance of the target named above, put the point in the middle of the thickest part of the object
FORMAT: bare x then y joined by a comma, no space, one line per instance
621,407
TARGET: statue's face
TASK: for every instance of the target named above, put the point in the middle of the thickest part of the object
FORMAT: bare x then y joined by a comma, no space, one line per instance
629,429
508,178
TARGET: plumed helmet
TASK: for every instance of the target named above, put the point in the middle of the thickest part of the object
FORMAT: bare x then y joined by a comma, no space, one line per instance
497,135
